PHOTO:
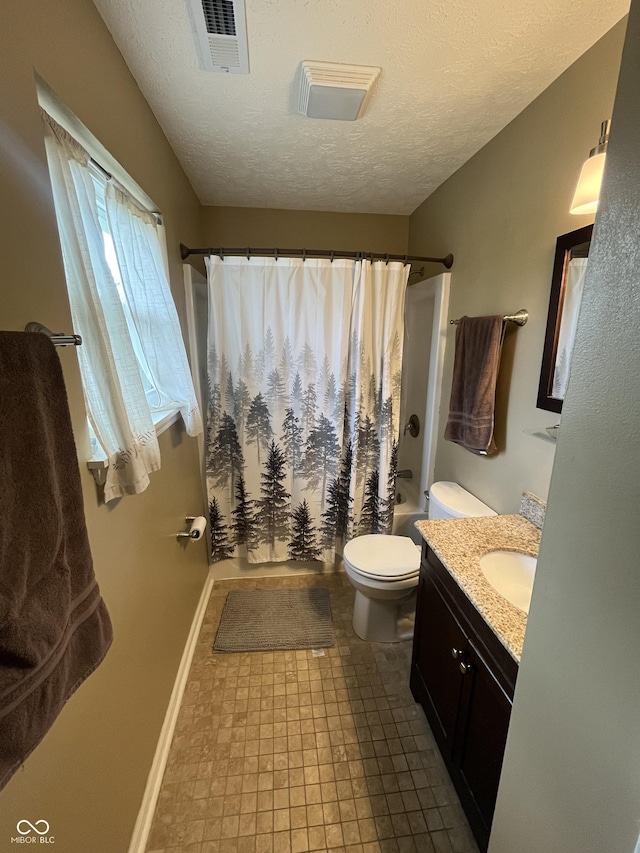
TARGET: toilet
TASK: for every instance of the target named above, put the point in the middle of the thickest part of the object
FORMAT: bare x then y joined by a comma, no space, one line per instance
385,569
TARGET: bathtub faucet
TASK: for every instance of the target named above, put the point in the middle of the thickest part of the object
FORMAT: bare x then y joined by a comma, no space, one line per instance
405,474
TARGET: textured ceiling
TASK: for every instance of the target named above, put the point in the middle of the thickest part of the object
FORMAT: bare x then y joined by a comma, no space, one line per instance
454,73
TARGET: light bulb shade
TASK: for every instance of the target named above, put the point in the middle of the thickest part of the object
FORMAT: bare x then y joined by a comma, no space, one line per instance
585,199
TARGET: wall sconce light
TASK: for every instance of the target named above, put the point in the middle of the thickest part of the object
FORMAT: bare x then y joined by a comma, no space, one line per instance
585,199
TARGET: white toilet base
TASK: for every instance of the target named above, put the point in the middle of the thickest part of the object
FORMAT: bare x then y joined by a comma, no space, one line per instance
405,627
376,620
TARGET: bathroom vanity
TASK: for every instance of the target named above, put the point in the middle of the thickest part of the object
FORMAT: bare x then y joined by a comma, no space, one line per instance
467,646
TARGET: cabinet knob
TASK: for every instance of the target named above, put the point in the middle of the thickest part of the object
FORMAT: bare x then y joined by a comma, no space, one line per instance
456,653
465,667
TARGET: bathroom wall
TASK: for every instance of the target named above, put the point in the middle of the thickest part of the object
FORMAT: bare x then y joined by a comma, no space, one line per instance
88,776
571,776
500,215
311,229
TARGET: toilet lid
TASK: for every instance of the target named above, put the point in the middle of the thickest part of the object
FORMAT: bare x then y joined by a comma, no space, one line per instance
383,557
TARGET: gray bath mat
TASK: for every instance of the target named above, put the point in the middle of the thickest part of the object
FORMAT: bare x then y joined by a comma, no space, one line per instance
264,620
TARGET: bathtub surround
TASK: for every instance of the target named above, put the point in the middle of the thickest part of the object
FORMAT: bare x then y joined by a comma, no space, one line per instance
304,402
425,334
405,515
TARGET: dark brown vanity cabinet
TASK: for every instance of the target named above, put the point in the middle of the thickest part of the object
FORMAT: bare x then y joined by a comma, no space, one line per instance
464,679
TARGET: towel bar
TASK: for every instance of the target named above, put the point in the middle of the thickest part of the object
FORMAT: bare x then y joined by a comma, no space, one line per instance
519,318
58,340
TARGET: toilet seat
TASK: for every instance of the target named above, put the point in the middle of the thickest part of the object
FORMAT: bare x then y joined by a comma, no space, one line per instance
383,558
383,580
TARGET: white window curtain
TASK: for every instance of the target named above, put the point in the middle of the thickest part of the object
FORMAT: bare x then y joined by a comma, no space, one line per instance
115,398
137,247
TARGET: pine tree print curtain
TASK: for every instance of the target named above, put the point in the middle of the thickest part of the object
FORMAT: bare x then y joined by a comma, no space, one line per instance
304,400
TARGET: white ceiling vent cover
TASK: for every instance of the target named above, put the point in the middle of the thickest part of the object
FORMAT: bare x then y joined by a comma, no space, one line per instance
334,90
220,27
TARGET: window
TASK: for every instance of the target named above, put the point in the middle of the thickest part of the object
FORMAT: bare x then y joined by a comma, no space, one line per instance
159,403
133,363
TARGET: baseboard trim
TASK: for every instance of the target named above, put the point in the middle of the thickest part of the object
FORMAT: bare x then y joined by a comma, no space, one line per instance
142,828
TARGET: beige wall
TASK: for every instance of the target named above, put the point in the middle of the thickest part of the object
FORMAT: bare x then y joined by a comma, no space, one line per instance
500,215
571,777
298,229
88,776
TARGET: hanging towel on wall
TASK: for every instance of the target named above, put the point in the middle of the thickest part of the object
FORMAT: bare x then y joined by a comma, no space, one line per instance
54,626
473,389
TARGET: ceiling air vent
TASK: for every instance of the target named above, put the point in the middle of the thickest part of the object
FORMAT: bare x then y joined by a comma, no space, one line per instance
220,28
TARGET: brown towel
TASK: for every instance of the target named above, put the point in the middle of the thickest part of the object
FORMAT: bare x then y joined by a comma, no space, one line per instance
473,389
54,626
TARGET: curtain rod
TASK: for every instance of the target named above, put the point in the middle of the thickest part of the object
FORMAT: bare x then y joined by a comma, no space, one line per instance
185,251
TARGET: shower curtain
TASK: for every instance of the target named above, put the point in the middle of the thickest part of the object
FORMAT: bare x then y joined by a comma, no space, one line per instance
304,363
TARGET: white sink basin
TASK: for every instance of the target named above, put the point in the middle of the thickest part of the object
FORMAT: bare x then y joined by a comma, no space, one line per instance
511,574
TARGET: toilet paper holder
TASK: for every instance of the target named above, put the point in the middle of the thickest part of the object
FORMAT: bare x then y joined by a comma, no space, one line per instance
196,531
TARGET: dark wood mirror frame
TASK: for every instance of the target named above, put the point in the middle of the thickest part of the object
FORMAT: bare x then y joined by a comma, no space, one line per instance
564,246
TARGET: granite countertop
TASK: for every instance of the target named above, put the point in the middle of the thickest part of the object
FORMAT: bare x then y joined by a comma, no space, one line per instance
459,543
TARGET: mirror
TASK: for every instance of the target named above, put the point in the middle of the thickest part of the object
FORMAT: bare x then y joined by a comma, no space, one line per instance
569,268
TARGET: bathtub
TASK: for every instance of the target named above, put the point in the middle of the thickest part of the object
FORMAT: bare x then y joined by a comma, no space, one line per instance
405,514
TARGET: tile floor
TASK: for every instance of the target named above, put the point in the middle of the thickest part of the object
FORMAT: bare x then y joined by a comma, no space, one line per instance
284,752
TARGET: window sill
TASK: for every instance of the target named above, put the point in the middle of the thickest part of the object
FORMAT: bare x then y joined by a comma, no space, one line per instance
161,420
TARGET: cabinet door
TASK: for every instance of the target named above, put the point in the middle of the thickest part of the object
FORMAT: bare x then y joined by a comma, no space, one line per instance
480,748
439,648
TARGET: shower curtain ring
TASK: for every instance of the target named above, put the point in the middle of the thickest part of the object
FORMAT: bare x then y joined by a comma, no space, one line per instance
386,259
221,252
304,255
331,255
248,253
406,260
275,254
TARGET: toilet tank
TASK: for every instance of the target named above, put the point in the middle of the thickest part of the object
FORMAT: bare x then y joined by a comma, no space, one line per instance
450,500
